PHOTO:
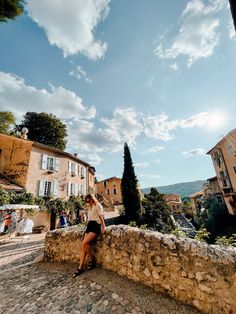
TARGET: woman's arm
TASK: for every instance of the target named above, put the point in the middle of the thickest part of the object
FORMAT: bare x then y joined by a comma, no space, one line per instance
102,223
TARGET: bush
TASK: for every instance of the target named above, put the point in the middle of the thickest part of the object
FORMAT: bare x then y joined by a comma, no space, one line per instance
227,241
202,235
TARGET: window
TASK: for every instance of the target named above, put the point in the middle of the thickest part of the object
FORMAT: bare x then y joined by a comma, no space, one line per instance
218,159
108,192
70,189
234,167
114,191
48,188
105,184
224,179
82,172
114,183
219,199
50,163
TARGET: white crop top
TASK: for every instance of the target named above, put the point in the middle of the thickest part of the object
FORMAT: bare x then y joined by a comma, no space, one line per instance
95,212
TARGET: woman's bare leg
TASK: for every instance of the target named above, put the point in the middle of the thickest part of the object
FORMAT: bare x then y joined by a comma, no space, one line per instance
86,249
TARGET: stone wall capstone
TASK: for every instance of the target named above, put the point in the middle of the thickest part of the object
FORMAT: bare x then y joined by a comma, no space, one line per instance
193,272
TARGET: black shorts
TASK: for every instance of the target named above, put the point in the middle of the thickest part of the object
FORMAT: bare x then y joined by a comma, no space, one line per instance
94,227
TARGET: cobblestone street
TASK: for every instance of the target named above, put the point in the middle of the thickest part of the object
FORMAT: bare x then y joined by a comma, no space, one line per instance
50,288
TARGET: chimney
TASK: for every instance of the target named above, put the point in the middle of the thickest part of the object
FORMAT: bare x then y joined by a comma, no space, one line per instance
76,154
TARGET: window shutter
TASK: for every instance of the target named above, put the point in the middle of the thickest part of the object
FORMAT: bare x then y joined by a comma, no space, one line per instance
69,167
57,164
44,161
76,189
55,187
76,169
68,188
73,189
41,187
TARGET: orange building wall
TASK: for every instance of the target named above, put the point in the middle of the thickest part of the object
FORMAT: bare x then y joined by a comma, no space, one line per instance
111,184
14,158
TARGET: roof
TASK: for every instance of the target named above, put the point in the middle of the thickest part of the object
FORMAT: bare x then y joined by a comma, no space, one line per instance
222,140
196,194
212,179
58,151
55,150
109,179
9,186
166,195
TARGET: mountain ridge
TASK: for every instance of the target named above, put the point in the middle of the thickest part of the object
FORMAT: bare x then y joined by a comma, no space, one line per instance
182,188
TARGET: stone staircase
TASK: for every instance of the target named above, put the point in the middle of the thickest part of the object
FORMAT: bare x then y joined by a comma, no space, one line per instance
184,225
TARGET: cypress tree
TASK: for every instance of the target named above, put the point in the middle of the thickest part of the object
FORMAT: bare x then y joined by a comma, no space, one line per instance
130,192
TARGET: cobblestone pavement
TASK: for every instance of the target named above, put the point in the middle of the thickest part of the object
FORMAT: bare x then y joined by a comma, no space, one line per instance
50,288
19,250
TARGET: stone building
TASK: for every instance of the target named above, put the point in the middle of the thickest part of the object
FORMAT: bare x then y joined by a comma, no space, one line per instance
110,189
195,200
223,156
174,202
43,170
212,190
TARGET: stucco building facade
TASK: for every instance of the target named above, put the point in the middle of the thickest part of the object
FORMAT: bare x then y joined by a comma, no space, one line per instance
111,189
44,171
223,156
174,202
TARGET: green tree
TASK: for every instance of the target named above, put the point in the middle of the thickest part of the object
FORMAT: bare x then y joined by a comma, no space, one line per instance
10,9
45,128
156,212
7,119
4,197
129,189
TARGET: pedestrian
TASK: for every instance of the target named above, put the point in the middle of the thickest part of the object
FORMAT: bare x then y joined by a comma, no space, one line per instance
95,226
7,221
62,219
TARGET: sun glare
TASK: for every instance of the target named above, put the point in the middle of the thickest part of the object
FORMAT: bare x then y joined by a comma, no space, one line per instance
216,120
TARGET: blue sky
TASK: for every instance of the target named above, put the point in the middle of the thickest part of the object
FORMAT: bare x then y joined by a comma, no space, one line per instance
159,75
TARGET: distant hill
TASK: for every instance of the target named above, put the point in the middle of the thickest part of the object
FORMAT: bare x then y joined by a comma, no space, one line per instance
183,189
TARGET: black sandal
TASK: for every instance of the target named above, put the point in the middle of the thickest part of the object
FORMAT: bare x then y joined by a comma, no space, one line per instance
92,264
78,272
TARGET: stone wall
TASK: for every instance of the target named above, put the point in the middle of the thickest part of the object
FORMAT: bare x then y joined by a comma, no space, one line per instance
193,272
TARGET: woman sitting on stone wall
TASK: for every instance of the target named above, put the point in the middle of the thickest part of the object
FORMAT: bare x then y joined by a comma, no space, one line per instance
95,226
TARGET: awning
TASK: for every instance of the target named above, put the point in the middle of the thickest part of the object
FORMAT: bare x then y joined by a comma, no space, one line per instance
18,206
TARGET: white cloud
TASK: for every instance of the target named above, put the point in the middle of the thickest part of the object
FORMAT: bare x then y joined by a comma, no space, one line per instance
198,35
194,152
174,66
141,164
92,159
126,123
199,119
231,30
71,26
154,149
100,177
152,176
158,127
87,132
79,73
15,94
